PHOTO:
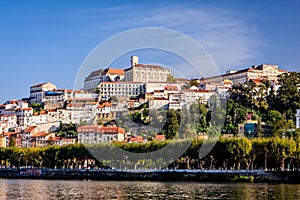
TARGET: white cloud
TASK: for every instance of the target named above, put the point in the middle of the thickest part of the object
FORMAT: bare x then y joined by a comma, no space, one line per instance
229,39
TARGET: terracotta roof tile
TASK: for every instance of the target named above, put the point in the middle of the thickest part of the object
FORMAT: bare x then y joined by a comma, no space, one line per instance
101,129
160,137
105,104
9,134
136,139
114,71
41,134
29,129
171,87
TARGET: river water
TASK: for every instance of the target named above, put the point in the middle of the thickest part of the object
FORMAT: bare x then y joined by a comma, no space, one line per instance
59,189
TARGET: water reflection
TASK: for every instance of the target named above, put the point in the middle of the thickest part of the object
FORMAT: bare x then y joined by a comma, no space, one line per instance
52,189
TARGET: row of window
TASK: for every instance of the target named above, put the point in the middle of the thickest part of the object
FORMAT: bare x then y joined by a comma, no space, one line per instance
121,85
119,93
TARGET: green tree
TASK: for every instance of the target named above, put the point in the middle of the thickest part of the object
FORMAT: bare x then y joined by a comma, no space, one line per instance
12,142
66,130
114,99
170,78
260,149
243,94
239,149
236,114
281,126
282,148
259,128
171,126
288,95
83,123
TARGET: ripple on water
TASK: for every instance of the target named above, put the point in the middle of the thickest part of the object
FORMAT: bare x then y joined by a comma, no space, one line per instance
59,189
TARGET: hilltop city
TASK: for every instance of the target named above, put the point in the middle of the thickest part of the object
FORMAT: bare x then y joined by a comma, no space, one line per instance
115,104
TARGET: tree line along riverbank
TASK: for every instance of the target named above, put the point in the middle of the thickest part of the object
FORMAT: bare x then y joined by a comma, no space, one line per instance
228,153
253,176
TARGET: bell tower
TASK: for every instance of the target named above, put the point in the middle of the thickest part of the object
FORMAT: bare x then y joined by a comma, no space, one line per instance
134,60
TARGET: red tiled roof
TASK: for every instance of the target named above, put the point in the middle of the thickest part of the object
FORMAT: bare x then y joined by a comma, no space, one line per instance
52,110
90,128
91,103
75,105
38,85
29,129
256,81
105,104
43,112
136,139
226,81
41,134
171,87
13,101
114,71
100,129
159,98
9,134
26,109
8,115
160,137
281,70
158,91
112,130
55,138
199,91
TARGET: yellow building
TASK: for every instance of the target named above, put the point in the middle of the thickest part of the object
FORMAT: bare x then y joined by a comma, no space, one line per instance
2,141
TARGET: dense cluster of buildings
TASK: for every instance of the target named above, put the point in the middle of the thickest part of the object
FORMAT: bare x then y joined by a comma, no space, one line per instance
254,73
33,121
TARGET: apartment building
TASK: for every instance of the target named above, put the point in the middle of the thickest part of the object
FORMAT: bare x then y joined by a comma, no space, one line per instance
97,134
37,91
121,89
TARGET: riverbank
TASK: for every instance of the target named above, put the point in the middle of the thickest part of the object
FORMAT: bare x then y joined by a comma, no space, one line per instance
260,176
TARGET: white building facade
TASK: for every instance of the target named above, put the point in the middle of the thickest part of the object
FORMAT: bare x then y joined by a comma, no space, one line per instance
121,89
298,118
98,134
103,75
37,91
145,72
264,71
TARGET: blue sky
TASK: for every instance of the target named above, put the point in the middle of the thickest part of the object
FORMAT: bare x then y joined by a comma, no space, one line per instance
48,40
